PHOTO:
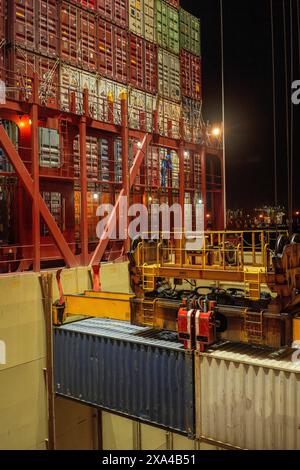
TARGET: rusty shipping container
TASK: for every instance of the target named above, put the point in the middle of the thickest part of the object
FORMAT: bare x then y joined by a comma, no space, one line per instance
112,51
2,20
190,67
115,11
78,37
86,4
21,66
109,364
143,64
248,399
34,25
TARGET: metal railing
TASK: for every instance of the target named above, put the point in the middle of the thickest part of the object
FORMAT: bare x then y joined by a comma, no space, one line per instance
222,250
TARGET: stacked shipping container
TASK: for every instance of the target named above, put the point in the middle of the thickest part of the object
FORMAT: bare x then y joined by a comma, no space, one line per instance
149,49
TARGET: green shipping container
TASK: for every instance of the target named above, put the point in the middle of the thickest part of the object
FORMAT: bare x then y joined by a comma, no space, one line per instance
167,26
189,32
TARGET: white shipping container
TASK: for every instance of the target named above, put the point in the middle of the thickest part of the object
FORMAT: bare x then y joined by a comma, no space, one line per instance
247,399
140,109
76,80
142,18
168,75
108,87
168,118
69,82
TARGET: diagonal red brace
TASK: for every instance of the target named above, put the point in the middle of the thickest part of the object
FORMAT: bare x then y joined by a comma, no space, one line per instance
103,242
28,184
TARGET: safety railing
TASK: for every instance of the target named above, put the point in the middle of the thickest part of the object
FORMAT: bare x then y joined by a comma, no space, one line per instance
223,250
101,106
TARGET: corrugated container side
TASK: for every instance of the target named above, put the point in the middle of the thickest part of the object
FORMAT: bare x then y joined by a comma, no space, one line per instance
92,158
73,80
142,18
86,4
112,51
191,113
189,32
141,106
190,66
21,66
174,3
115,11
49,148
47,26
78,37
34,25
143,64
168,75
21,19
246,401
168,118
167,26
107,87
2,20
153,170
110,164
150,380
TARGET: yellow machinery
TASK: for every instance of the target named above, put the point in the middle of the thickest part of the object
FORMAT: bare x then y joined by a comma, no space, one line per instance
93,304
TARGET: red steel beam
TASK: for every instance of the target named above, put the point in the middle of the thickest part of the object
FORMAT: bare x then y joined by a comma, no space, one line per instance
203,184
83,194
35,161
181,182
28,184
125,169
103,242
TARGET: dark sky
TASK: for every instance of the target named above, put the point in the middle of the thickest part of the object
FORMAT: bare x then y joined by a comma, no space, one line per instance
248,95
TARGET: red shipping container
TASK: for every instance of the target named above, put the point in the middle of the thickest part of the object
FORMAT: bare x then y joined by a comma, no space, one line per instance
34,25
112,51
47,18
2,21
22,29
78,37
174,3
22,65
190,75
87,4
143,64
115,11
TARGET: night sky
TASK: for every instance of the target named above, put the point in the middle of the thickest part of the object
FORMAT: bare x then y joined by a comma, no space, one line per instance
248,95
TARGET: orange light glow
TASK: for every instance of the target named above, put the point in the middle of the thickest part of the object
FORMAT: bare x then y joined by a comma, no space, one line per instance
25,121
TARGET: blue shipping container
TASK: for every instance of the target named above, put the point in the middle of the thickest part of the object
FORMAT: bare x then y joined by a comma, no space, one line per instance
104,363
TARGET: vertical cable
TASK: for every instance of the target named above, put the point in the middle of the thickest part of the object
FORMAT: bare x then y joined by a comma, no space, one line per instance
292,118
223,111
287,112
274,106
298,31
